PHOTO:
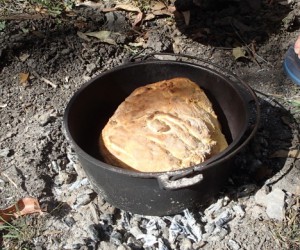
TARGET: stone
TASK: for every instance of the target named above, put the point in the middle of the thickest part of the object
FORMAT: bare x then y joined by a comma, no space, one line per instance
233,245
261,197
275,204
186,244
107,246
223,218
239,211
116,238
123,247
4,152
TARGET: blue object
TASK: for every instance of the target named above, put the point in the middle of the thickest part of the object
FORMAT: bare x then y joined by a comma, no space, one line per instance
291,65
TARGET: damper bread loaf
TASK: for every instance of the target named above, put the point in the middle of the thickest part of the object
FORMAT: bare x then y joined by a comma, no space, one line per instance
164,126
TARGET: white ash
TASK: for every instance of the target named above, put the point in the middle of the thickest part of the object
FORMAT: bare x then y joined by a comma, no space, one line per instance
119,229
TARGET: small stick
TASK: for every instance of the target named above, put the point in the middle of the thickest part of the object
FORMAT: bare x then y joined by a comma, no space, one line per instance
49,82
5,175
23,17
45,80
254,53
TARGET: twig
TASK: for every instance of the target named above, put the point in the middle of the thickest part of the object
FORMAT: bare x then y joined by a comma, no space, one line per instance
49,82
248,47
5,175
44,80
262,242
23,17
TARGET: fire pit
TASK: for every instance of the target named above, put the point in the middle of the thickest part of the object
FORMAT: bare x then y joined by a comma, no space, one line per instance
163,193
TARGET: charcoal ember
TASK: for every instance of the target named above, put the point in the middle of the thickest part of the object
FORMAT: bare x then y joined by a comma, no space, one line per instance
223,218
95,233
124,221
153,227
69,221
116,238
107,218
134,243
213,209
184,225
162,245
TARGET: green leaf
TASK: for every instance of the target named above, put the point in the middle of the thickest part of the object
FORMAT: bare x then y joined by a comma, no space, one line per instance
295,102
2,25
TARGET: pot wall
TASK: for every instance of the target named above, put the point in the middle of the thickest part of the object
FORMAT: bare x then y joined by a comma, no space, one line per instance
91,107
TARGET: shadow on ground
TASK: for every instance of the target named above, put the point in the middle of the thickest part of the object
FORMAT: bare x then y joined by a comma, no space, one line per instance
233,23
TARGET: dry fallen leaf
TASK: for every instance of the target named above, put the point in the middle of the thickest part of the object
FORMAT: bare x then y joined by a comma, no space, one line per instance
83,36
294,153
127,7
158,6
24,77
22,207
239,52
149,16
138,19
103,36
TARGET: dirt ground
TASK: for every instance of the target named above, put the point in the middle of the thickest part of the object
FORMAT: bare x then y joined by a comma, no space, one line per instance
45,59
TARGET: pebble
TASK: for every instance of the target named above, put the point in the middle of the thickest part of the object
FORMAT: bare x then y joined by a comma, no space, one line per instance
84,199
116,238
233,245
186,244
123,247
239,211
107,246
4,152
260,197
223,218
64,178
69,221
44,118
94,232
275,204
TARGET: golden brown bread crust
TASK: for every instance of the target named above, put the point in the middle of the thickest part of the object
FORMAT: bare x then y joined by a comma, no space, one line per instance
164,126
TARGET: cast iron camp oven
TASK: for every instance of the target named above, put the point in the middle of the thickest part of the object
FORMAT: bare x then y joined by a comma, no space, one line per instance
170,192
